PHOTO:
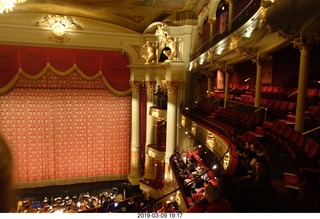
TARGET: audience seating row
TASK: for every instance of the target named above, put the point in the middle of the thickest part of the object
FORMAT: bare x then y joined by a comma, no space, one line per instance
220,95
276,108
312,117
210,121
245,120
282,93
238,89
302,149
278,93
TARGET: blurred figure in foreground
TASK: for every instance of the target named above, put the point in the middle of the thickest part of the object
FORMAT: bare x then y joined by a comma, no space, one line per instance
5,177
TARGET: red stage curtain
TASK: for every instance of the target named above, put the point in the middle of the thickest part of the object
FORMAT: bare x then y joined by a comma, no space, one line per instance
9,65
33,62
62,134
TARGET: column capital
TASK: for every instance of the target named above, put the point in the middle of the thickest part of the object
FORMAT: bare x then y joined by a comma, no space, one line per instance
173,86
150,86
135,85
228,69
209,74
304,44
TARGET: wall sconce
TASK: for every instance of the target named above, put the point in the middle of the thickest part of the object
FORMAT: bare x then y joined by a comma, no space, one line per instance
59,26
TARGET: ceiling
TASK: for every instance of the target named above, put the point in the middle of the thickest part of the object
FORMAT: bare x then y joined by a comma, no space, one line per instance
135,15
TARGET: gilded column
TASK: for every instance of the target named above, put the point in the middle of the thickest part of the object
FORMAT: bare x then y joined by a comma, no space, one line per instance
150,138
172,87
134,175
305,48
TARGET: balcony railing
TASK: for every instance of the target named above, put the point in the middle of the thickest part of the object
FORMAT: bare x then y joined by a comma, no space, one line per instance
237,22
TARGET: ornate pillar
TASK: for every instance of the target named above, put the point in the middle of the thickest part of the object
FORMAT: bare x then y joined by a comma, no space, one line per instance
172,87
212,23
230,14
252,54
228,70
150,139
305,48
134,175
209,85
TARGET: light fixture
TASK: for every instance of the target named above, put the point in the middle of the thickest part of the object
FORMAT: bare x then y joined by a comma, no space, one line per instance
8,5
59,26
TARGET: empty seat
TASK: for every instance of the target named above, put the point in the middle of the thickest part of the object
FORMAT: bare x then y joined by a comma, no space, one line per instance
312,96
311,150
291,181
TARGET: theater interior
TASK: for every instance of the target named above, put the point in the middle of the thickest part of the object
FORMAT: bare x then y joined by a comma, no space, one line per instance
141,105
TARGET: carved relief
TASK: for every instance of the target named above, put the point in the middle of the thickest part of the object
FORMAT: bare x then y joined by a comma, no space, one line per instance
167,41
251,54
286,31
303,44
234,41
151,52
220,65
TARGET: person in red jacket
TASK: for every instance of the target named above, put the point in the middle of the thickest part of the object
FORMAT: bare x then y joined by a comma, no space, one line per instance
211,202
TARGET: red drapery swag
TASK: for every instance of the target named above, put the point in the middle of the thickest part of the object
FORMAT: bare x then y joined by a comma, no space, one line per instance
33,62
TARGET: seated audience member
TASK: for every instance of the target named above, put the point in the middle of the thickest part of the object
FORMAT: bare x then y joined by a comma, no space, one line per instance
6,202
260,171
211,202
256,189
256,150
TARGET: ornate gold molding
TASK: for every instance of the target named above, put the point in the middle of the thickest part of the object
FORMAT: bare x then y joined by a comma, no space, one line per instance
135,85
286,31
234,41
210,56
220,64
304,44
173,86
60,25
150,86
251,54
123,52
